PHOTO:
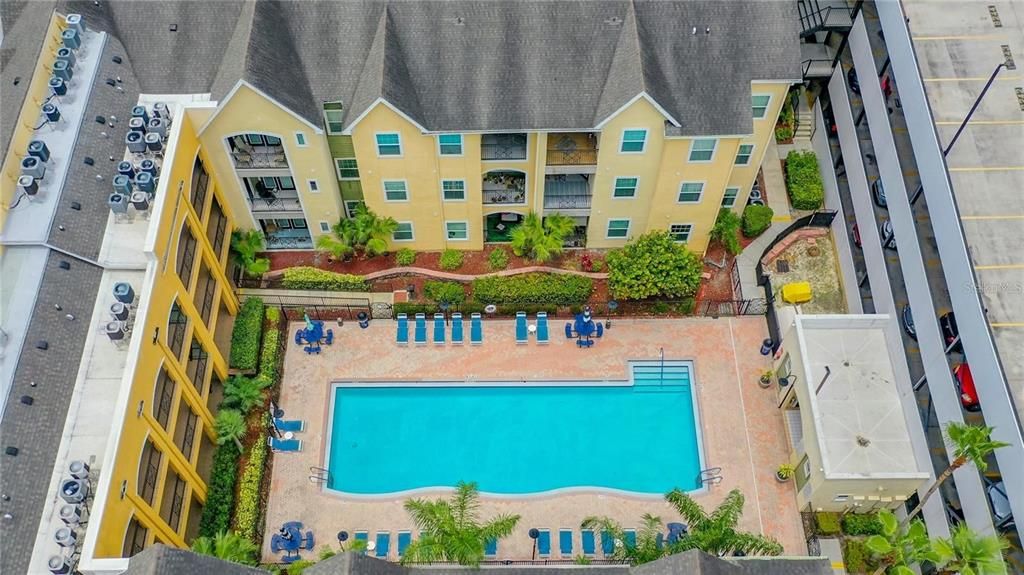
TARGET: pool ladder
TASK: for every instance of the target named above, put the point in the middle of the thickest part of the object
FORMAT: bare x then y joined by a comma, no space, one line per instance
709,476
319,476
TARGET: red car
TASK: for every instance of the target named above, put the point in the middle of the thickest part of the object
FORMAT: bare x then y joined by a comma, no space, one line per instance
856,235
965,381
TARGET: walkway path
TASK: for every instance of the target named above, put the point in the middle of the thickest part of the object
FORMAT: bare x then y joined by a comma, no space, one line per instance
469,277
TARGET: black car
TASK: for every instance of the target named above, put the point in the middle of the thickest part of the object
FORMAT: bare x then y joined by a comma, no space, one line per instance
908,322
851,78
947,323
878,191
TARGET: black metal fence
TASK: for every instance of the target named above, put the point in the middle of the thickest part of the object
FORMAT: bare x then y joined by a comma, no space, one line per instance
819,219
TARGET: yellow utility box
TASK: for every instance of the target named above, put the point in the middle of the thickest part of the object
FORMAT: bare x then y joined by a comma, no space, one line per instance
798,292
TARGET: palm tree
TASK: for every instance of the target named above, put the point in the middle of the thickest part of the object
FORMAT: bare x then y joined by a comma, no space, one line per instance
450,530
230,425
971,443
970,553
245,245
716,533
897,548
334,244
365,230
647,547
228,546
242,393
541,240
377,230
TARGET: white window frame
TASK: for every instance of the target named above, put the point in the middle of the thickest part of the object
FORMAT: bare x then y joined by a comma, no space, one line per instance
301,140
376,144
350,212
693,143
636,188
462,199
622,140
767,106
337,168
726,195
328,121
384,189
325,227
608,226
314,186
447,232
689,232
412,233
750,156
462,146
700,197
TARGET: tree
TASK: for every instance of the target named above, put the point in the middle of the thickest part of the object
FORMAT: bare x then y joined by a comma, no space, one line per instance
653,265
364,231
970,553
242,393
716,533
971,443
230,426
450,530
245,245
228,546
645,549
541,240
898,548
726,227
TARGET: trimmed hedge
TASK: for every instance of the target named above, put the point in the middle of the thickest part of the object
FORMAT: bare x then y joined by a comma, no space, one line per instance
310,278
451,292
756,219
451,260
497,260
862,524
405,257
245,337
536,288
271,346
803,180
220,494
247,513
828,523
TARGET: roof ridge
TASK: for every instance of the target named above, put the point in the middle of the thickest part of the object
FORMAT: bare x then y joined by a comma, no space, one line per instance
627,41
236,70
397,71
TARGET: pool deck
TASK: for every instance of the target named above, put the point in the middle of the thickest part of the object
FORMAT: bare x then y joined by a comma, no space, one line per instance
743,432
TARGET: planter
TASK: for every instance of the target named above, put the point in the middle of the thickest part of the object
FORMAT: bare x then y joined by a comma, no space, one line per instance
780,478
765,381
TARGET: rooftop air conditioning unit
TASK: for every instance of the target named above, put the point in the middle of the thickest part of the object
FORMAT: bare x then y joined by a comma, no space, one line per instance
33,166
59,564
119,311
160,110
71,514
51,112
74,490
149,166
140,112
79,469
39,149
124,293
145,182
158,126
28,185
135,143
72,38
67,55
75,22
137,125
63,70
123,185
140,201
115,330
118,203
126,169
154,143
65,537
58,86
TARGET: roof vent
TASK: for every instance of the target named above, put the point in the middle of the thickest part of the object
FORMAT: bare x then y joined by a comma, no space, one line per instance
613,21
116,59
173,28
64,265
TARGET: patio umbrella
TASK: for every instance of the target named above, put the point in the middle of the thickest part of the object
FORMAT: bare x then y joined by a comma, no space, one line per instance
309,322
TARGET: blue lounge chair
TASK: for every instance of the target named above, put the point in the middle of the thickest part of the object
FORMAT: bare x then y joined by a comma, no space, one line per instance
476,329
330,336
307,543
293,425
491,549
521,332
568,331
311,349
383,545
287,559
543,336
438,329
276,544
607,543
362,536
457,331
676,531
587,537
421,329
565,542
600,329
402,337
285,445
630,535
299,335
544,542
404,539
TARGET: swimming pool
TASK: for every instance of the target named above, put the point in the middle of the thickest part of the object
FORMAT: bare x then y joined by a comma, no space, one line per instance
639,436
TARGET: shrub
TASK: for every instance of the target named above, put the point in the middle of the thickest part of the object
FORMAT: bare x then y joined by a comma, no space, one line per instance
451,260
405,257
685,307
803,180
725,231
245,337
828,523
659,308
784,127
220,494
271,347
653,265
242,393
498,259
861,524
451,292
857,557
537,288
597,266
309,278
412,309
756,219
247,512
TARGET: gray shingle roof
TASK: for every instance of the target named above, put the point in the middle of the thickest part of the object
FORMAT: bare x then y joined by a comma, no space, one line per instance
160,559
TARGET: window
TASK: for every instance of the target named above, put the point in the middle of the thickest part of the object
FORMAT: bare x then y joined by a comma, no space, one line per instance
177,323
450,144
186,257
680,232
325,227
403,233
633,141
625,188
453,190
149,469
760,102
185,430
841,498
200,183
300,139
134,538
351,206
389,144
395,191
173,499
333,120
702,150
690,192
314,186
299,223
729,199
457,230
196,368
347,168
163,396
617,229
744,153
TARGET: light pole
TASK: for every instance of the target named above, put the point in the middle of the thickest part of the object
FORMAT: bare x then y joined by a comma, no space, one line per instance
534,534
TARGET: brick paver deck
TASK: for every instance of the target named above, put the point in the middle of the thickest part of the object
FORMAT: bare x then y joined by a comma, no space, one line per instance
742,429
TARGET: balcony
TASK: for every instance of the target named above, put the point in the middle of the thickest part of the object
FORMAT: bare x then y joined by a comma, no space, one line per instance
572,149
280,201
567,192
502,187
509,147
257,152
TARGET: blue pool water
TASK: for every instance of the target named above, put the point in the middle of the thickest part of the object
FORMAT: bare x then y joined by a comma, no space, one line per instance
518,439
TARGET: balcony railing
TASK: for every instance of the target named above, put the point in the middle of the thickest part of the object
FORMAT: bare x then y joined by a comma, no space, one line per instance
568,202
503,147
577,157
263,157
503,196
280,202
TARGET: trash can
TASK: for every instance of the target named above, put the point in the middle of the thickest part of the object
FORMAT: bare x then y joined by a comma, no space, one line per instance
766,346
364,320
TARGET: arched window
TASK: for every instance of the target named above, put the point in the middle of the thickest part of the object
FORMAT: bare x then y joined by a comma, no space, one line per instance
163,397
200,183
177,323
149,471
134,538
186,258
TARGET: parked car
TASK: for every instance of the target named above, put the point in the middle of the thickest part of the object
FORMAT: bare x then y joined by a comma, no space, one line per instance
878,192
1002,515
908,323
851,78
888,238
856,235
947,324
965,384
